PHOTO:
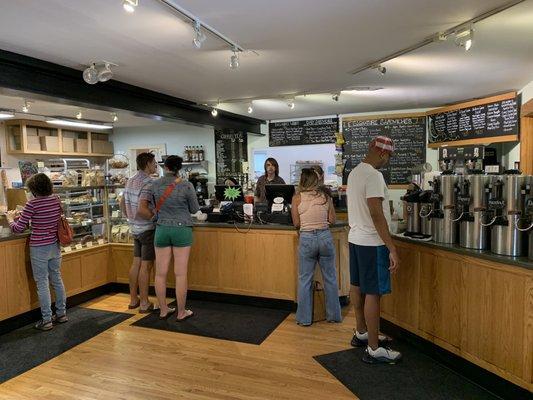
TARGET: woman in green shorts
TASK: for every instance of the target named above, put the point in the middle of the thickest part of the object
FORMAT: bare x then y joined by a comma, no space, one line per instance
175,201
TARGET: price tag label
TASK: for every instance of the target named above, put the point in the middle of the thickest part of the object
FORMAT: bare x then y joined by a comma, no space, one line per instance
40,164
79,246
67,249
84,223
98,220
89,244
114,214
101,241
95,200
67,201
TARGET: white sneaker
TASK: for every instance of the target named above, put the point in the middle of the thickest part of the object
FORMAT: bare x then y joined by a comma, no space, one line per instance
361,339
381,355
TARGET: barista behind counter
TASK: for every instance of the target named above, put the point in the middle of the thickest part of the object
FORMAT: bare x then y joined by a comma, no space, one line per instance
271,177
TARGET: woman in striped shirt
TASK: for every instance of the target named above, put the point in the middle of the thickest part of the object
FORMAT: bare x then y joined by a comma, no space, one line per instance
44,212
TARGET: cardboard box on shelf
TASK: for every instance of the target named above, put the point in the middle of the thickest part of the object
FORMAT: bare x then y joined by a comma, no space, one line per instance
102,147
49,143
34,143
81,145
68,145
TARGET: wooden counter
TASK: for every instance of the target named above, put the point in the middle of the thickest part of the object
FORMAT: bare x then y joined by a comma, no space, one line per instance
259,262
478,309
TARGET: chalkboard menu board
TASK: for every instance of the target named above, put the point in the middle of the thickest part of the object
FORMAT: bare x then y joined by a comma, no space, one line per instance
499,118
408,134
231,147
312,131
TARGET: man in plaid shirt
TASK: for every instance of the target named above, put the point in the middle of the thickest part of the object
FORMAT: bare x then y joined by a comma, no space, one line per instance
137,189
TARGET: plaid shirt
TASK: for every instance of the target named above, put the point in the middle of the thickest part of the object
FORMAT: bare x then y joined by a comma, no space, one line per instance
137,189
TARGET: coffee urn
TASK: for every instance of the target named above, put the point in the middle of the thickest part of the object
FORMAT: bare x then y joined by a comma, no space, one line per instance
426,209
525,223
506,206
443,217
412,200
472,202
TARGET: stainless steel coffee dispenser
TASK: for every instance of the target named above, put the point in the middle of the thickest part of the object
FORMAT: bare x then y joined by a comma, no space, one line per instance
472,202
426,209
505,208
412,200
443,217
525,223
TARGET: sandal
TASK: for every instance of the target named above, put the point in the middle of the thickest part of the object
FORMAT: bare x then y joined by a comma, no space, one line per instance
134,306
147,310
191,314
170,311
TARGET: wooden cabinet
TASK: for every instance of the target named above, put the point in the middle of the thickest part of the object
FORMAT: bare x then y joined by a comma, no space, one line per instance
478,309
21,291
94,268
203,261
71,273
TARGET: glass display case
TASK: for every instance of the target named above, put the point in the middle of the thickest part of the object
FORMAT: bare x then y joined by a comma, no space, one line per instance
119,230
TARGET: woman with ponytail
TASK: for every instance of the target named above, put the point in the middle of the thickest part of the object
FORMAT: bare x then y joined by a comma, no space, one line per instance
175,201
313,212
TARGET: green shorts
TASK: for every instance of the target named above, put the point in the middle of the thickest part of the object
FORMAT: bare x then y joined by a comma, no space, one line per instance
175,236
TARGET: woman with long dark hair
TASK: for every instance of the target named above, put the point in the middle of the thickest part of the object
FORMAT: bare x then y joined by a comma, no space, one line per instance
271,177
175,201
44,212
313,212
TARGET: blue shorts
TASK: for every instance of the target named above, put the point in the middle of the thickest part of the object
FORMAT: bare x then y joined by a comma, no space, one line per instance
369,269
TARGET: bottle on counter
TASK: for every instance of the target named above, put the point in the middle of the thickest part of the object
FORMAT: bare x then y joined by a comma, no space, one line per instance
185,153
201,154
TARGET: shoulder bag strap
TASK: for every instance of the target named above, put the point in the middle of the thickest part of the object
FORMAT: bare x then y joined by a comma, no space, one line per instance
168,191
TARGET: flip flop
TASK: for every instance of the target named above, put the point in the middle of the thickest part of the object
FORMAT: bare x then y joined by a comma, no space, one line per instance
134,306
147,310
186,317
170,311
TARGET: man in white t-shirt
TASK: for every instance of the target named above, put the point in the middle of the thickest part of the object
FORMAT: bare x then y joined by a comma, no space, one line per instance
373,255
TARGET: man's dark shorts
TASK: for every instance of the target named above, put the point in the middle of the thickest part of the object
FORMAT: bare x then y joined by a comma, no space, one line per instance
369,269
143,245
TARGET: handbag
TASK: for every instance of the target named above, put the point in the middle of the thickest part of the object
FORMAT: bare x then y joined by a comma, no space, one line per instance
319,302
65,234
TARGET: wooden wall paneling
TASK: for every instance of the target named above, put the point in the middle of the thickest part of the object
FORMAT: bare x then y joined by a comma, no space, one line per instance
94,268
3,283
528,331
277,249
203,271
440,296
526,145
495,317
240,262
21,289
71,273
121,259
527,109
405,284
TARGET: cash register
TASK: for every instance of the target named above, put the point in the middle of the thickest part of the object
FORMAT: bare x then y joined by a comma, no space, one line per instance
231,199
279,199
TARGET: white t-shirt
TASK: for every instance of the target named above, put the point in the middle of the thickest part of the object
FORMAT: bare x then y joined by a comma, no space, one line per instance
365,182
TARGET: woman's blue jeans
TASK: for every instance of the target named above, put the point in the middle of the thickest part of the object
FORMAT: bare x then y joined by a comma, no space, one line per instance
317,247
46,264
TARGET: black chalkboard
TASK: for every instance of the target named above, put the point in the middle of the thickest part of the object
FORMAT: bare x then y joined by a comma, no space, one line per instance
408,134
312,131
231,148
498,118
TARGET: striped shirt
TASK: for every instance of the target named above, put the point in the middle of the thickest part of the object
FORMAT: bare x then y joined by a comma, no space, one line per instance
137,189
44,214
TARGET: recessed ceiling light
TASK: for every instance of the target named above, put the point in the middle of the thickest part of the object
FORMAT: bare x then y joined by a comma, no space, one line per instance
130,5
214,112
6,114
250,108
78,124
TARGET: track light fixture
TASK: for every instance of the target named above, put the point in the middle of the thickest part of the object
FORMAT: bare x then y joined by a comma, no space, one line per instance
130,5
79,115
98,72
114,117
335,96
464,37
26,106
381,69
214,112
199,36
290,104
234,59
250,108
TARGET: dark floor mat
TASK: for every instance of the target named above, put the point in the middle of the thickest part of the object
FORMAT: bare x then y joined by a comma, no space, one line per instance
416,377
233,322
26,347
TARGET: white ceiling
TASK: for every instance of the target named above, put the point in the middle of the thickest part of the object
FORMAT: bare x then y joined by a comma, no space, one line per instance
303,46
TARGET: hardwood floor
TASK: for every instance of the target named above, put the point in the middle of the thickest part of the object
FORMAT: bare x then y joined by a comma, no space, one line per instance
133,363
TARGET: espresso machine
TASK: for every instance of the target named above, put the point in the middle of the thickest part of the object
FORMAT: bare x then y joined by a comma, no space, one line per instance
200,187
443,216
506,206
472,200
